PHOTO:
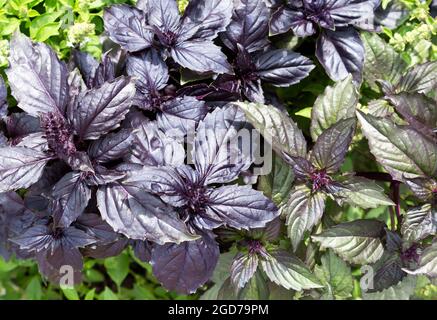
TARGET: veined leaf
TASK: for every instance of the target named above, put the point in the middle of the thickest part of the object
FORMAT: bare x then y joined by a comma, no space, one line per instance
427,262
277,127
402,151
278,184
288,271
419,223
358,242
336,103
336,275
402,291
382,61
362,192
303,211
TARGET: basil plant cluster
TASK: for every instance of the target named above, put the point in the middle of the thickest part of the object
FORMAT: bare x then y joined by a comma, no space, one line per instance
143,150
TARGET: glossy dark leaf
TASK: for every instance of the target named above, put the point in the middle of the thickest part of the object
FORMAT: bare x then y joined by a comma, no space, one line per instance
73,195
362,192
336,103
201,56
341,52
358,242
139,215
181,114
102,109
37,78
402,151
303,211
163,14
154,148
422,187
249,26
419,223
427,262
187,266
21,124
127,27
282,68
288,271
276,127
331,146
243,268
206,18
20,167
285,19
421,78
240,207
111,147
417,109
149,71
217,154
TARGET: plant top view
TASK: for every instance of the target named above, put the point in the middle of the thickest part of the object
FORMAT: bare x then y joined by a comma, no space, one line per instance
218,149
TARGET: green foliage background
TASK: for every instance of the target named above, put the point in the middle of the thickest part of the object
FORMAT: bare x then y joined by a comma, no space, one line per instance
65,24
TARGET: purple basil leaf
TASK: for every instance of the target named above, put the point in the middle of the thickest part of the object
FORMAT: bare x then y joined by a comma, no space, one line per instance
102,109
73,195
21,124
217,154
149,70
348,12
35,141
330,149
111,147
20,167
417,109
94,226
201,56
283,68
249,26
182,115
36,238
302,168
3,99
422,187
103,176
166,182
151,147
126,26
140,215
341,52
205,19
112,65
164,15
14,219
253,91
51,262
239,207
87,66
106,250
286,18
37,78
142,250
3,140
243,268
187,266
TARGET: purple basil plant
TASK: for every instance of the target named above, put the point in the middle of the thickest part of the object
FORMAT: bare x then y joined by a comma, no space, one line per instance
339,47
